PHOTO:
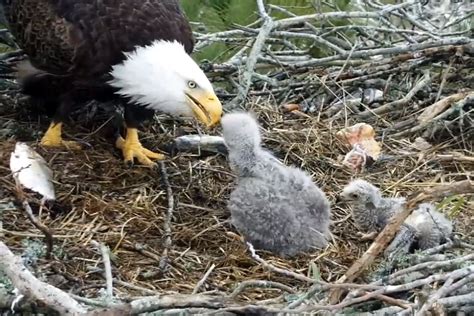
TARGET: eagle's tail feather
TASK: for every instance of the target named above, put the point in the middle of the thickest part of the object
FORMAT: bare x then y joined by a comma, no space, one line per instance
43,88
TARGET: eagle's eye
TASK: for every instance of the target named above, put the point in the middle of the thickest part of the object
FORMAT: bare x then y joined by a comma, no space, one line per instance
192,84
354,195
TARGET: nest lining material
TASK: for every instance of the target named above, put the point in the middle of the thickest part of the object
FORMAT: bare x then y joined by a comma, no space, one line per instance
100,198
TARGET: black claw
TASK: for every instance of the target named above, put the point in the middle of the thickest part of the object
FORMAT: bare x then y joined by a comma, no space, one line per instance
129,163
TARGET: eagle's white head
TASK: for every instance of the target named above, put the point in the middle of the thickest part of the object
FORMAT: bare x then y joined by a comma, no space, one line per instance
163,77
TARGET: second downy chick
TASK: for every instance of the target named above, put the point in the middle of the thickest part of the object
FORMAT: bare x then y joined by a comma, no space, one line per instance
370,210
424,228
275,207
432,227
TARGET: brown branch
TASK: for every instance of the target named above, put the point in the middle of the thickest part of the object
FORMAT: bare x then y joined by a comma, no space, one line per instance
433,110
164,260
392,301
389,232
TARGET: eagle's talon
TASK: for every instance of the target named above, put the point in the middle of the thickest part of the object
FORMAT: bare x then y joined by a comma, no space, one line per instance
132,148
129,163
52,138
69,144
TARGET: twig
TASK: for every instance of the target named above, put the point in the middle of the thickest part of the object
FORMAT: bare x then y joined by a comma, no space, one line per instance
316,38
31,287
162,302
398,103
387,234
400,276
300,277
285,23
392,301
259,283
443,115
89,301
395,289
449,42
444,78
164,260
134,287
48,235
431,266
448,287
380,294
203,279
308,295
104,250
459,300
451,244
293,275
433,110
265,30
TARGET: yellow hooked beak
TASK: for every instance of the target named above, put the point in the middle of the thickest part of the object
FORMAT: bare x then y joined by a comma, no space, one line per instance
206,106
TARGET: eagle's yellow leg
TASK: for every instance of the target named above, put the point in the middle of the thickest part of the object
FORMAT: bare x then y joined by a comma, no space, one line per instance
132,148
53,138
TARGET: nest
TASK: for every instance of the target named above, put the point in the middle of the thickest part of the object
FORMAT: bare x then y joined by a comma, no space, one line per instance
101,199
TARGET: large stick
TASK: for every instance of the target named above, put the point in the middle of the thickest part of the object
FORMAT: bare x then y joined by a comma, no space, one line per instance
31,287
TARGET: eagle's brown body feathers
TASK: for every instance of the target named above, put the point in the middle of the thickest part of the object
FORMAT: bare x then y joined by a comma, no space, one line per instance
38,30
83,38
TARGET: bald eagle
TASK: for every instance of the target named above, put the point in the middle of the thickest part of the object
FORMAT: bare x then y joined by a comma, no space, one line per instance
133,52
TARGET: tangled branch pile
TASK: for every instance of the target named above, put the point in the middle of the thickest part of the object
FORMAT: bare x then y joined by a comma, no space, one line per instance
406,69
383,59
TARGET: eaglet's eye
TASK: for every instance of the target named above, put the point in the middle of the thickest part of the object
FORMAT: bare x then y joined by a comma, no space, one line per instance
354,195
192,84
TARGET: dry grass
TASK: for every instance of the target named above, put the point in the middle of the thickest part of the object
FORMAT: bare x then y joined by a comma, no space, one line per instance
102,199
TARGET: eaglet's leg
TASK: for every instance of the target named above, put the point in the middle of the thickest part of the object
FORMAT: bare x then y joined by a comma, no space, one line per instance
53,137
131,146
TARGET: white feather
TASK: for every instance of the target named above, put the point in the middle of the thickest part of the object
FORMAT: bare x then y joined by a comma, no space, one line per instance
157,76
31,171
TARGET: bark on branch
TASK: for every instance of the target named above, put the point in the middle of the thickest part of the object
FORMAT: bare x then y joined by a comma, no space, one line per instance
33,288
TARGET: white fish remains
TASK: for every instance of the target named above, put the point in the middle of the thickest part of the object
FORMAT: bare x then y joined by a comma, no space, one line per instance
197,143
31,171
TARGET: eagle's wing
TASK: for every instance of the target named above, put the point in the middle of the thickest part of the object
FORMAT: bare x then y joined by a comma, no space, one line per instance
107,28
41,33
89,36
